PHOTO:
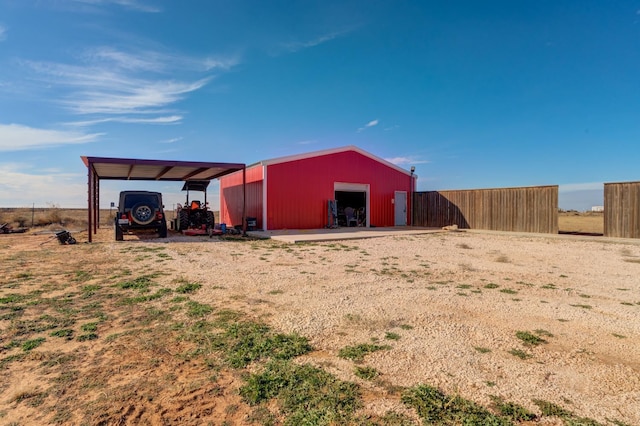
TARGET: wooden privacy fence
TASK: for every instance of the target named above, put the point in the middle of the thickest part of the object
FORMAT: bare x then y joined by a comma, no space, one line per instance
528,209
622,210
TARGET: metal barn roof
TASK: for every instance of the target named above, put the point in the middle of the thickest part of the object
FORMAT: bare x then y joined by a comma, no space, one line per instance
330,151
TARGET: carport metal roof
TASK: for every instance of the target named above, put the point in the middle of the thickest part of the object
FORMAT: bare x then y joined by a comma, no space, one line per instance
156,170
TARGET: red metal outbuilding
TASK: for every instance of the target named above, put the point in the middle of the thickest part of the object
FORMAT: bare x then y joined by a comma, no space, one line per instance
300,191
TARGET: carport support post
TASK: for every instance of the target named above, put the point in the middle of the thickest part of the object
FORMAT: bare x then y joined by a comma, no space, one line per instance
96,207
89,200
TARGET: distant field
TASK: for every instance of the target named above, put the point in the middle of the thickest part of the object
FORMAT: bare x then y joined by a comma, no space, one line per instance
586,222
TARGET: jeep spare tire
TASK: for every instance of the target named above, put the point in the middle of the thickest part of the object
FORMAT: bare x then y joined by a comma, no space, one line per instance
142,214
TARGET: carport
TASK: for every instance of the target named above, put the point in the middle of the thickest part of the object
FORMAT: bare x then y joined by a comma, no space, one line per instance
99,168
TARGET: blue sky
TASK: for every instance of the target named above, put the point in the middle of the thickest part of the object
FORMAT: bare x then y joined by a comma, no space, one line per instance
473,94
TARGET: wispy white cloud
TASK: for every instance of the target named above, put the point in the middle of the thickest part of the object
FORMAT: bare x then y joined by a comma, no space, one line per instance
138,5
587,186
15,137
395,126
172,140
21,187
3,33
372,123
172,119
306,142
298,45
405,161
111,82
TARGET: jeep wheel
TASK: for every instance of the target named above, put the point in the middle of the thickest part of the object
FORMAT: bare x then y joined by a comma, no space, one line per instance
162,231
119,234
142,214
183,220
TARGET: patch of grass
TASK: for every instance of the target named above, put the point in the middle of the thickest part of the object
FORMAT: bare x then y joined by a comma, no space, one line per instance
66,333
32,398
274,292
550,409
503,259
146,297
358,352
306,395
187,287
520,354
87,336
482,350
512,411
619,336
366,373
508,291
406,327
437,408
90,290
529,339
32,344
491,285
549,287
581,306
12,299
241,342
391,336
91,326
464,286
196,309
141,283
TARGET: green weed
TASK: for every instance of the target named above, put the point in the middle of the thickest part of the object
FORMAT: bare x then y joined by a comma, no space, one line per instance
391,336
581,306
366,373
357,353
187,287
435,407
306,395
529,339
520,354
66,333
32,344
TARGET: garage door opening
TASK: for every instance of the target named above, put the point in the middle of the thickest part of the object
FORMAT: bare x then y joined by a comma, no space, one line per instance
352,202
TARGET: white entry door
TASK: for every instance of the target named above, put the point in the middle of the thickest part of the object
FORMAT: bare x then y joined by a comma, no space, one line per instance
400,204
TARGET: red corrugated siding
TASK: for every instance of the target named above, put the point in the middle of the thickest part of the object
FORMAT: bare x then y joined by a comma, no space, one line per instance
297,191
231,196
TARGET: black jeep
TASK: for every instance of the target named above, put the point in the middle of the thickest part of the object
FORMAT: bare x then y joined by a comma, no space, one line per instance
140,210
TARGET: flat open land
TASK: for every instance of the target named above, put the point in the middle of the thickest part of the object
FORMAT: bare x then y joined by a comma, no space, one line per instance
482,328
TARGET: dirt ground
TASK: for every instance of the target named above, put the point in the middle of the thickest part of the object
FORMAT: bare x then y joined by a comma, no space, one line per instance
450,305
